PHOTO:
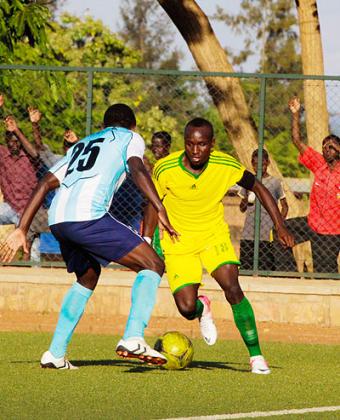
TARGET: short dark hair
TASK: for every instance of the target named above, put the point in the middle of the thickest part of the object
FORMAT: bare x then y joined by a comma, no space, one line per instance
119,115
200,122
9,135
163,135
255,154
331,137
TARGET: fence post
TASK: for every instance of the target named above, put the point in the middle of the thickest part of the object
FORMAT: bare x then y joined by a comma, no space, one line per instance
89,102
259,173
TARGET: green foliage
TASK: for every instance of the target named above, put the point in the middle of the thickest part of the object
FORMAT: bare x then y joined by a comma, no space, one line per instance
22,21
62,97
269,30
146,28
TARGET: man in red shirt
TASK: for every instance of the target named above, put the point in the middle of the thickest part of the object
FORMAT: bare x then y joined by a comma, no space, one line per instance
322,225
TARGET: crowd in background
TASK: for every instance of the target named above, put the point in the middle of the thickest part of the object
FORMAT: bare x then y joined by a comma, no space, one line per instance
23,163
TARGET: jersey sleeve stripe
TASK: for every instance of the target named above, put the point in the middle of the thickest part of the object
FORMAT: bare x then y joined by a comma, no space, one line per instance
222,159
165,169
231,164
165,164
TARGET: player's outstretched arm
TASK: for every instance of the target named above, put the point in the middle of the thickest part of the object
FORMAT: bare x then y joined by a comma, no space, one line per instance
150,220
17,239
268,202
142,179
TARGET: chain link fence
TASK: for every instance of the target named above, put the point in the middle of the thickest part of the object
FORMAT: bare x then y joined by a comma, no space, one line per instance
164,101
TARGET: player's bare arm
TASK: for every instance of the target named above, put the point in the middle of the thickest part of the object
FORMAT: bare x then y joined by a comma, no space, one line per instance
268,202
294,106
142,179
17,238
150,221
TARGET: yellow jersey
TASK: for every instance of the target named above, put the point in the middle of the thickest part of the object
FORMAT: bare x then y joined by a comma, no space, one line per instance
194,201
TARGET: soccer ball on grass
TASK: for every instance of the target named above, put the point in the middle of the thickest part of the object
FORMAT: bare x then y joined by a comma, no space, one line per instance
177,348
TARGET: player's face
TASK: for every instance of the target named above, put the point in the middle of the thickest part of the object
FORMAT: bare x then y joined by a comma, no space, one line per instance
198,143
159,148
330,150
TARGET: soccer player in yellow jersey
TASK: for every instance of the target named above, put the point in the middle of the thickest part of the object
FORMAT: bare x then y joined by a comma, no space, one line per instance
192,184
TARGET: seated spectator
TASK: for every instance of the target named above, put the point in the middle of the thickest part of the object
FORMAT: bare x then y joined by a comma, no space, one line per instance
322,225
247,204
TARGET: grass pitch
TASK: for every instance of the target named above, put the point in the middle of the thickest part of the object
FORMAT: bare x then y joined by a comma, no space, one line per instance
217,382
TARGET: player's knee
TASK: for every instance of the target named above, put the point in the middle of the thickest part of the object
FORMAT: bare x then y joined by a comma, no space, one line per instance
90,278
187,309
157,265
234,293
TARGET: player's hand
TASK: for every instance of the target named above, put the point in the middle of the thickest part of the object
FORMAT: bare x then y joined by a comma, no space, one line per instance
2,100
285,237
164,224
14,241
10,123
34,114
294,105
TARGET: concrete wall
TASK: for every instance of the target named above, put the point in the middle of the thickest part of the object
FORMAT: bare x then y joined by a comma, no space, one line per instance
281,300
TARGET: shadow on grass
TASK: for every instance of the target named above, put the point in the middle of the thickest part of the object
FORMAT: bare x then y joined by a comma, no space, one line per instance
140,367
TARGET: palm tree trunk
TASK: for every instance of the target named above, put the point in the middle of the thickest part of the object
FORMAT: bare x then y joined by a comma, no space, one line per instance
312,63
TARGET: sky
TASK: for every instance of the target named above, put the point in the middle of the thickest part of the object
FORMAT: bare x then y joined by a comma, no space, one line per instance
329,15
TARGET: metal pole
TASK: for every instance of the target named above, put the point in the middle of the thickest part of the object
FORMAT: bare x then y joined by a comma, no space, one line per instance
259,173
89,102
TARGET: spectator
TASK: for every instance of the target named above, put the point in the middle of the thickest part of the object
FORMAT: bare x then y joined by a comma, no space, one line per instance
160,148
160,144
322,225
274,186
17,175
128,204
47,157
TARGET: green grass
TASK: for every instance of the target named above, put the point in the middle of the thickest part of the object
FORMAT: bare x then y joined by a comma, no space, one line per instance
218,381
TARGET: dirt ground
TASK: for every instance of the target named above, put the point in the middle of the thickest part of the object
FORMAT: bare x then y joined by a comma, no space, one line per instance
294,333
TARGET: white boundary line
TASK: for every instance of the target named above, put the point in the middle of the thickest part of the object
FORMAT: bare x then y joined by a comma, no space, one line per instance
254,414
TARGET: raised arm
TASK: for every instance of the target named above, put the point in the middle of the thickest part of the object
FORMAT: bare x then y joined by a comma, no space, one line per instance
268,202
143,181
35,117
294,106
17,239
12,126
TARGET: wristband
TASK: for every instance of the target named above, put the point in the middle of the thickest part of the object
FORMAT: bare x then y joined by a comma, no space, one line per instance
147,239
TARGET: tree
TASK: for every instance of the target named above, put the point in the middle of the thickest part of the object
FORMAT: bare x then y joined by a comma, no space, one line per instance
61,97
22,21
146,29
312,62
269,29
226,93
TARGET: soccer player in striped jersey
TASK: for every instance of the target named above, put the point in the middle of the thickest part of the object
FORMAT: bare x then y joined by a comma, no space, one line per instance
88,176
192,184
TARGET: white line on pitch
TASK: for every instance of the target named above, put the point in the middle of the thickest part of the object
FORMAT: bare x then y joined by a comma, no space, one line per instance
254,414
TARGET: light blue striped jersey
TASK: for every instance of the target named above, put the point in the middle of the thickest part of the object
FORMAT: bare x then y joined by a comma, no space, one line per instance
90,174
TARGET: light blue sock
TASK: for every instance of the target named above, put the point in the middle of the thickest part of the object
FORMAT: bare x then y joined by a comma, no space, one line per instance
143,298
71,311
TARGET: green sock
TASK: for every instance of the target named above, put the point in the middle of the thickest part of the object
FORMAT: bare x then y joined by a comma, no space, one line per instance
199,308
245,322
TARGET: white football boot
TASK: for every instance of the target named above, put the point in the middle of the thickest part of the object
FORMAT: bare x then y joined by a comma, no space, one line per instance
207,325
50,362
259,365
137,348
